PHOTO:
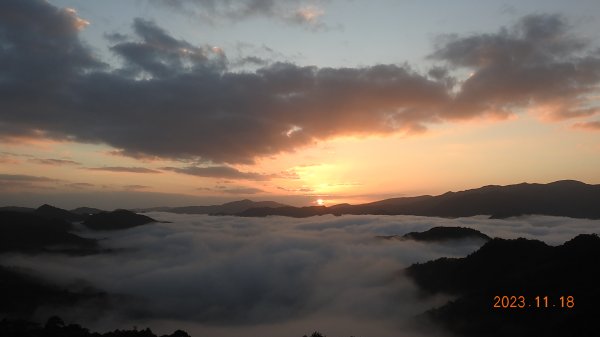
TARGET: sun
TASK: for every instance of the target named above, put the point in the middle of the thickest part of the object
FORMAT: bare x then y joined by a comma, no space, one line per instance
320,202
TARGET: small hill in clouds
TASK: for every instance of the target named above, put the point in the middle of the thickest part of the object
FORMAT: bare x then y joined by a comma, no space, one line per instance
441,233
230,208
33,233
115,220
566,198
520,267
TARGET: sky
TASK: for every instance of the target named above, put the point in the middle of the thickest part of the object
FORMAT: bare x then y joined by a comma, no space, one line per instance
178,102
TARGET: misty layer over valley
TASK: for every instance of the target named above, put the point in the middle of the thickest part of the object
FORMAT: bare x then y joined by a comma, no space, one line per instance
274,276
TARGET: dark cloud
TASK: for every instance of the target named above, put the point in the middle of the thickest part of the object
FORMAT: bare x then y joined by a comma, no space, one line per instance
123,169
55,162
537,64
224,172
174,100
115,37
157,54
41,57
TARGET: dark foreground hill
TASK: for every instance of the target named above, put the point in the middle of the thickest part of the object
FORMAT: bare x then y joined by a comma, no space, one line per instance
548,291
32,233
23,293
118,219
441,233
566,198
55,327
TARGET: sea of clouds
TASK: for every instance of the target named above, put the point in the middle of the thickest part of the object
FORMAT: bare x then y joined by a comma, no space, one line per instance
274,276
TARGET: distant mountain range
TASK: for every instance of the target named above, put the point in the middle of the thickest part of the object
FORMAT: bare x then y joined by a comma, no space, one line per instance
567,198
230,208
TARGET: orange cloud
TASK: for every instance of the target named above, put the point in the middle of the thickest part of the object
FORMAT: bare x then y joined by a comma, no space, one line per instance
591,126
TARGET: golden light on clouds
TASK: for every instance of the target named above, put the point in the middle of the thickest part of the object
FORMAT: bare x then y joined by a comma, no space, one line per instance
310,14
79,22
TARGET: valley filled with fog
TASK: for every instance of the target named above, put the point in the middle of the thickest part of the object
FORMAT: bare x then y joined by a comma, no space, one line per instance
274,276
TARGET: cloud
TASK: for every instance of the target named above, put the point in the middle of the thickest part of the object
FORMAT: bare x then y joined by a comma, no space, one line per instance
238,190
123,169
174,100
225,172
159,55
16,182
54,162
80,185
300,189
233,190
226,275
538,64
302,13
592,126
9,158
135,187
25,178
45,52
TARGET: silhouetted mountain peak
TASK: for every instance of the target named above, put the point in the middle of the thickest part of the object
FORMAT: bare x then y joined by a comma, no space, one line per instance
583,244
58,213
584,239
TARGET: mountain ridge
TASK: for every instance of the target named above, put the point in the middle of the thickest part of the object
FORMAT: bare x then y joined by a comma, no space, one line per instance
569,198
228,208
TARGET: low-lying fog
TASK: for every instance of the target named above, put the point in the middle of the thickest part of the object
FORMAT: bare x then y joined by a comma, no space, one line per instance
275,276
